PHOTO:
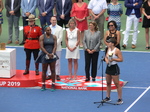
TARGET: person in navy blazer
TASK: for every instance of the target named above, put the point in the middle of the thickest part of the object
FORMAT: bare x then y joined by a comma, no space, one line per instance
46,11
133,15
63,16
129,5
28,7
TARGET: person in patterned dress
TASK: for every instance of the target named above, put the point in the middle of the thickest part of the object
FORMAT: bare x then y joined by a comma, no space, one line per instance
115,11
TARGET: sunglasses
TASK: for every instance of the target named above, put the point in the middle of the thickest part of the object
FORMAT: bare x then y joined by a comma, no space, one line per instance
110,25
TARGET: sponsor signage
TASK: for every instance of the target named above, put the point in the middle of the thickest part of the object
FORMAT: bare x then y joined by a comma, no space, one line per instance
7,63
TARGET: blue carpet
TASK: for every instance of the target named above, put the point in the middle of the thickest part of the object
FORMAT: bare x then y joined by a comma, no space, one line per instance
34,100
134,69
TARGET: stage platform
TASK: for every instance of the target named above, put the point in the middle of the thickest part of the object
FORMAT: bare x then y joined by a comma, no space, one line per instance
32,80
20,80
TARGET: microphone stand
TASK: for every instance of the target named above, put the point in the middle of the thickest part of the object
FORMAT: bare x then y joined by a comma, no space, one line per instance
101,102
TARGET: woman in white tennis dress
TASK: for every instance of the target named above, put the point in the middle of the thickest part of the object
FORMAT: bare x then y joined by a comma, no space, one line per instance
72,47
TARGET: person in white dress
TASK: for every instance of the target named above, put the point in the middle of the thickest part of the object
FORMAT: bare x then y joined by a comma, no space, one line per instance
72,47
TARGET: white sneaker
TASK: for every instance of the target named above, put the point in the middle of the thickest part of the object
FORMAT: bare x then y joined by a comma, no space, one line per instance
119,102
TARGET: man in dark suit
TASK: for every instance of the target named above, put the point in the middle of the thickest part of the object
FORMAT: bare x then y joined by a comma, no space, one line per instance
13,15
133,15
46,11
63,8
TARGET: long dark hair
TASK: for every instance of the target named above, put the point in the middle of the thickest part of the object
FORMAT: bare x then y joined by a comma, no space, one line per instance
114,23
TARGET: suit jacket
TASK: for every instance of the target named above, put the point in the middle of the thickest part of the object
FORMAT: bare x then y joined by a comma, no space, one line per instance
129,5
16,7
47,8
67,9
59,35
92,41
28,7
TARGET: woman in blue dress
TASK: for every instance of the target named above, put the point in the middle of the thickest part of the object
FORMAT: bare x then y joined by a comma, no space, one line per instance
115,11
48,44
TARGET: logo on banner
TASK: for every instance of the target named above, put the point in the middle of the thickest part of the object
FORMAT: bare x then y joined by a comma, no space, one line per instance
4,64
